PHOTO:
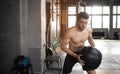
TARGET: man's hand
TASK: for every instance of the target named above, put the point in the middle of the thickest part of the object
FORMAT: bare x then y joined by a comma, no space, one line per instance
80,60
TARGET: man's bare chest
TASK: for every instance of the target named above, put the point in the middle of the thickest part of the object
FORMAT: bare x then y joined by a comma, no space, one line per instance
80,37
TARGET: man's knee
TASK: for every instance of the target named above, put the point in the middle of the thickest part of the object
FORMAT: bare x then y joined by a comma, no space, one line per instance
91,72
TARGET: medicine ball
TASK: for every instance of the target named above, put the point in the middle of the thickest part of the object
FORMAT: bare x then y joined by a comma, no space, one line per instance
92,58
21,62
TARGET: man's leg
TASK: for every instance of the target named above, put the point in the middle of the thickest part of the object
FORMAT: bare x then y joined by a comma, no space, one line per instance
91,72
68,64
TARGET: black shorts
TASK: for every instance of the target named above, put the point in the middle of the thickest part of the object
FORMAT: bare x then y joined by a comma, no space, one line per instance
69,63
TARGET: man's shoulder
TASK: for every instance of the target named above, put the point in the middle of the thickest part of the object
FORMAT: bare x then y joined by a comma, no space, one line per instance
71,28
70,31
89,29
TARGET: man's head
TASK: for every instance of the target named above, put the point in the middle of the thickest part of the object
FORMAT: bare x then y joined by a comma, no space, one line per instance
82,15
82,20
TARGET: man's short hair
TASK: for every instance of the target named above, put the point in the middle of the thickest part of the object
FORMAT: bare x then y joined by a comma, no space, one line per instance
82,15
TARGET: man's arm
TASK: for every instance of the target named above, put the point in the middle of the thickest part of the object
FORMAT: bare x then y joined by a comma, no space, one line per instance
65,41
90,39
68,51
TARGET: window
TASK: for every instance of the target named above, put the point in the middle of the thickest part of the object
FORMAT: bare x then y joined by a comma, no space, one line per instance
118,9
106,10
96,21
106,17
71,20
116,16
118,20
88,10
71,10
89,21
114,9
96,9
71,16
105,21
99,16
114,21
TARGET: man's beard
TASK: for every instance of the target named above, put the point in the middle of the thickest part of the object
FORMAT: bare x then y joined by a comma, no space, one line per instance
81,28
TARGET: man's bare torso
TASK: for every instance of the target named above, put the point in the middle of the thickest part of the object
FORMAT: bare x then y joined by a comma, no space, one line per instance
78,39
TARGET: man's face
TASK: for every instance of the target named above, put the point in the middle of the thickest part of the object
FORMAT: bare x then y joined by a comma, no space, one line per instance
82,23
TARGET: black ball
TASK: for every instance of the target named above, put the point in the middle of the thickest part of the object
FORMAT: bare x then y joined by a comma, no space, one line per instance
92,58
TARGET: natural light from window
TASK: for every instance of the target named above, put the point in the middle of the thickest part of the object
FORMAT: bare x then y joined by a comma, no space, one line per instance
99,16
96,9
72,20
116,16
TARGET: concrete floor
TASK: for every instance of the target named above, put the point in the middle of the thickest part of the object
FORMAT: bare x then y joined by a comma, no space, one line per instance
110,50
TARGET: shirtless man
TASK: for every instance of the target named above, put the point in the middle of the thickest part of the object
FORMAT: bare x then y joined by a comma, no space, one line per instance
76,37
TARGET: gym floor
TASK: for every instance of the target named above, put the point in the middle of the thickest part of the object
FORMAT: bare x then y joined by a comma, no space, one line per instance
110,50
